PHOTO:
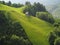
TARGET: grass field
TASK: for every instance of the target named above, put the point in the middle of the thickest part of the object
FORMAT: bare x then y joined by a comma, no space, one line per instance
37,30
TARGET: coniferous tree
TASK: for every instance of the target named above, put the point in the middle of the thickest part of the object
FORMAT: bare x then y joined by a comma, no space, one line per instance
9,3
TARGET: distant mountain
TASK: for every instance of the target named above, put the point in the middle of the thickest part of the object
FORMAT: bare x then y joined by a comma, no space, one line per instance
54,10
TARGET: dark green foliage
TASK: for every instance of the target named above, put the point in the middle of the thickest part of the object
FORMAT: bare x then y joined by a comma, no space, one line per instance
17,5
56,25
14,40
39,7
57,42
38,10
32,9
45,16
11,32
2,2
54,36
59,23
27,3
9,3
57,29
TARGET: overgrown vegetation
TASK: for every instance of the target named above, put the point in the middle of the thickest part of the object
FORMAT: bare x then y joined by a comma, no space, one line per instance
32,9
45,16
57,41
11,32
54,37
39,11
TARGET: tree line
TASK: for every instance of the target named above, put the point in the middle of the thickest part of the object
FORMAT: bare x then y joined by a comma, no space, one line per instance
33,8
9,3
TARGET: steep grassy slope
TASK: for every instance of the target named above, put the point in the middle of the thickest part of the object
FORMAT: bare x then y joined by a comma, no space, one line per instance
37,30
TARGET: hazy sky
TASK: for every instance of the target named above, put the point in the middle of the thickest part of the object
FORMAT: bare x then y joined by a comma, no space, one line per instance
45,2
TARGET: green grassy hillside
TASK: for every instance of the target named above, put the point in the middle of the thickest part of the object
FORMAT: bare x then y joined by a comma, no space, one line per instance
37,30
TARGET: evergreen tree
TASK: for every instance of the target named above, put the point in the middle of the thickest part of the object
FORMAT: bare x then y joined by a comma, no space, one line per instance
32,9
9,3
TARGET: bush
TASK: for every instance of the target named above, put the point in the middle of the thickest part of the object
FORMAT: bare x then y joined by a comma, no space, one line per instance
57,41
45,16
52,38
56,25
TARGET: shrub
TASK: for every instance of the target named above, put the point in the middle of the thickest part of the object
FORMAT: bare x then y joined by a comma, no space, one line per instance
52,38
45,16
57,41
